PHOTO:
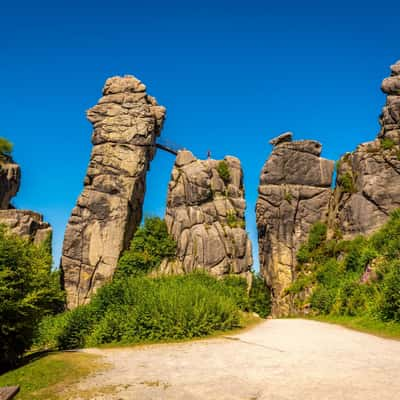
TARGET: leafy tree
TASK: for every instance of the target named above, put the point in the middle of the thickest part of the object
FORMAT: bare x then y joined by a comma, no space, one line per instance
149,246
6,147
29,290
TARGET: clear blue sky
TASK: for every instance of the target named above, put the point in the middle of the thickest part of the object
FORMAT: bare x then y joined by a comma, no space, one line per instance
232,75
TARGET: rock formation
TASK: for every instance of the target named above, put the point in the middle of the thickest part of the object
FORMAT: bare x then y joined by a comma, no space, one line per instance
294,193
205,215
10,179
25,223
126,123
368,180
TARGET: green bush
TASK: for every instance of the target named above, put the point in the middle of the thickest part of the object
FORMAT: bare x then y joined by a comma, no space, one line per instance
322,299
390,302
317,235
346,183
336,270
260,297
387,144
6,147
143,309
29,290
223,171
149,246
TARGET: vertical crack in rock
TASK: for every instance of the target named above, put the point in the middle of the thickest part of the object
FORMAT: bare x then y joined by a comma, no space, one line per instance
126,122
205,215
368,180
294,193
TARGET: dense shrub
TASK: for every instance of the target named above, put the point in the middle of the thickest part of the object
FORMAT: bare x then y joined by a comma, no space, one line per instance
29,290
149,246
390,301
259,297
333,272
144,309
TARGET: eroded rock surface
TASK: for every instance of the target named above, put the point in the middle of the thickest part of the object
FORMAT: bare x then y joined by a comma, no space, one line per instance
368,179
10,180
294,193
126,122
27,224
205,215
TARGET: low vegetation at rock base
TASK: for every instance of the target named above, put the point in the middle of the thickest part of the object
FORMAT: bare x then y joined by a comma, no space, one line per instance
357,279
141,309
29,290
136,308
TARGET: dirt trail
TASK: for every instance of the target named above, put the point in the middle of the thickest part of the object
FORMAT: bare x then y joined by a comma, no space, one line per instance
278,359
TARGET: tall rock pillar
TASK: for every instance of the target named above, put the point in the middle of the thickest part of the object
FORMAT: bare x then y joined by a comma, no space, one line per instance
368,179
294,193
126,124
205,215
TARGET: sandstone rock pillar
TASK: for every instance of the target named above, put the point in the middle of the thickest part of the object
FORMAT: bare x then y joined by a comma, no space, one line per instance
205,215
126,123
294,193
368,179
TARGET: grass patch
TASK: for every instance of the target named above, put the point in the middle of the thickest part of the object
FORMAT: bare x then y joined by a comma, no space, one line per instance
51,376
388,330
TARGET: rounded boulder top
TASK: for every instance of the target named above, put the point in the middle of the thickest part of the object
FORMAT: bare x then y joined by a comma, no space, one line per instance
125,84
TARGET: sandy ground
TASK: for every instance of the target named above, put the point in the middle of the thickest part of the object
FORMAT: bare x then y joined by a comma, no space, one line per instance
278,359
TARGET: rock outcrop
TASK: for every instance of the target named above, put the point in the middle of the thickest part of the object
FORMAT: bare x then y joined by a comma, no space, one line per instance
126,123
205,215
368,179
294,193
10,179
25,223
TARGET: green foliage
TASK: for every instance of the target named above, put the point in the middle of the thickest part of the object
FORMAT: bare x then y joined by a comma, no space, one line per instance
6,147
346,183
317,235
288,197
259,296
141,309
223,171
233,221
29,290
333,273
322,300
149,246
387,144
390,300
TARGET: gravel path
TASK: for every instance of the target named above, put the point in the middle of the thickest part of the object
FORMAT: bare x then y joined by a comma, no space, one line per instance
278,359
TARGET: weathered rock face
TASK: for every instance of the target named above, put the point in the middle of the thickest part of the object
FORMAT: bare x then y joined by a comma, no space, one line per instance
126,123
10,179
368,180
294,193
205,215
27,224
